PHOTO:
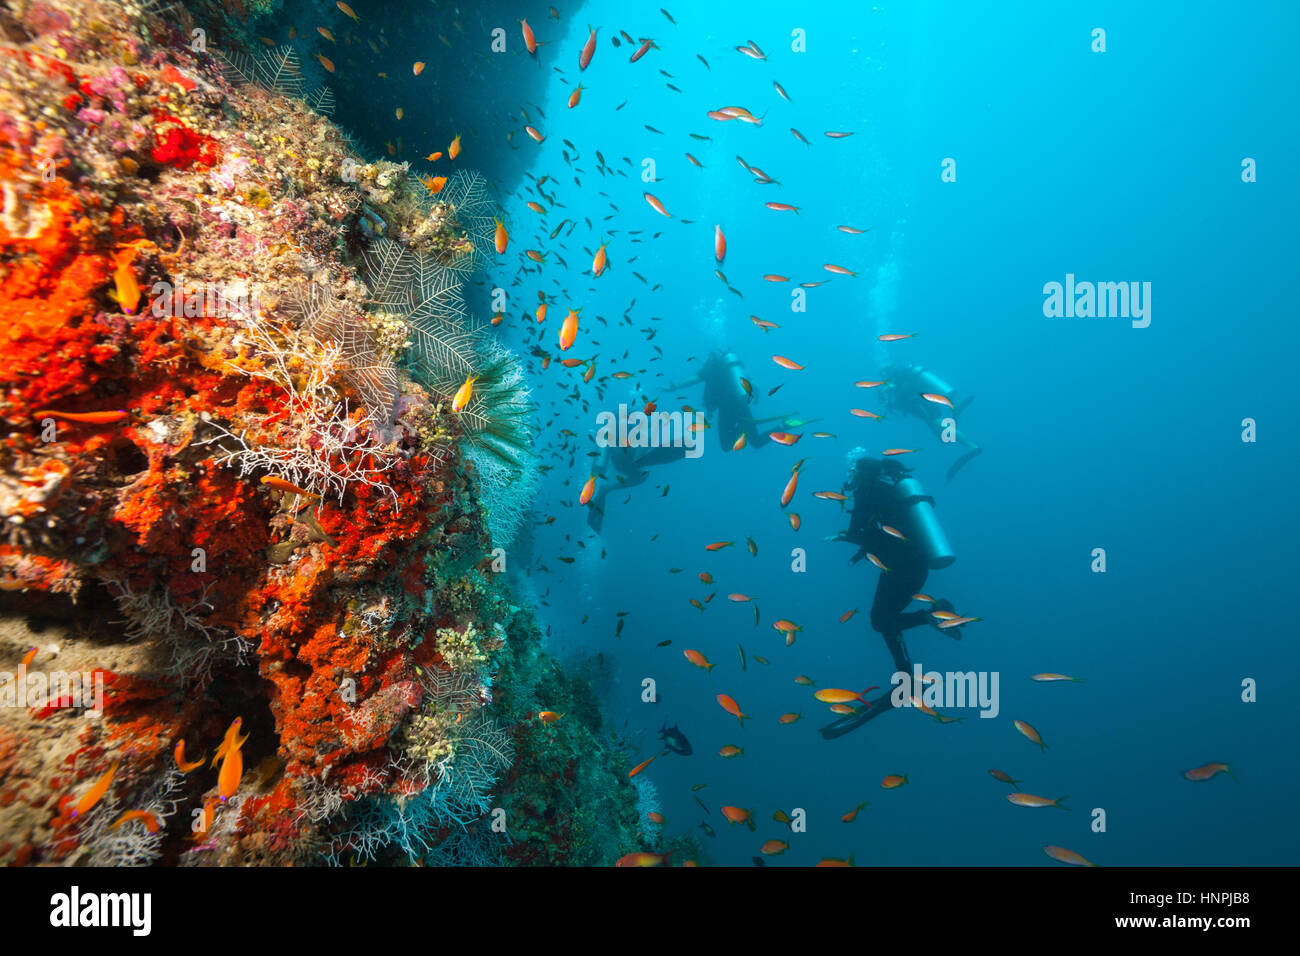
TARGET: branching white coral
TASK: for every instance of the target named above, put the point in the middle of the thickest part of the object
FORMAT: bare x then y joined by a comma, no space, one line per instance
319,443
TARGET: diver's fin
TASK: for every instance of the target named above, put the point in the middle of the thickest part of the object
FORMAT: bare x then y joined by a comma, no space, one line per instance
851,722
961,463
781,418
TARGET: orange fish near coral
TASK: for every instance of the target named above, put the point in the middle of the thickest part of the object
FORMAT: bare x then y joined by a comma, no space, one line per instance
232,771
718,545
548,716
588,490
325,62
95,793
150,821
454,149
181,764
83,418
736,815
502,238
279,484
731,707
599,262
347,11
644,859
834,695
576,96
784,362
641,766
126,291
463,394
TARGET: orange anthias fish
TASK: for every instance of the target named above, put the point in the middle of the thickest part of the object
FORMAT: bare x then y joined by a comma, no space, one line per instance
731,707
831,495
645,859
718,545
1003,776
501,238
889,452
736,815
1201,774
536,136
126,291
937,399
835,695
784,438
95,793
1031,733
569,330
1056,677
698,659
209,811
325,62
588,49
588,490
788,718
232,771
738,598
838,270
1061,855
1029,800
895,337
548,716
530,40
853,814
774,847
347,11
657,206
83,418
784,362
731,750
151,822
417,67
454,149
893,781
847,614
463,395
719,244
599,262
576,96
641,766
279,484
181,764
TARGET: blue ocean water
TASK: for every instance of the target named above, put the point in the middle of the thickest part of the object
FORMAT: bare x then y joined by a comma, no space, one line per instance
1123,165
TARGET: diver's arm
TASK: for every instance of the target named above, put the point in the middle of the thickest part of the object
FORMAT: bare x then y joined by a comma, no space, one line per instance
674,386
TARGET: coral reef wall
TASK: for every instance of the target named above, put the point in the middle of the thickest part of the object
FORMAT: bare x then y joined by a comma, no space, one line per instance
250,608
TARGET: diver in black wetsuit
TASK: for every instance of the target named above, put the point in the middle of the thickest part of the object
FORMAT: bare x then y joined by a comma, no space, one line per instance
726,398
883,496
907,383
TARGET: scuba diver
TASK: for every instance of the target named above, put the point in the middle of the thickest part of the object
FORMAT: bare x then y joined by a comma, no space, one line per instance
903,394
893,525
727,396
629,465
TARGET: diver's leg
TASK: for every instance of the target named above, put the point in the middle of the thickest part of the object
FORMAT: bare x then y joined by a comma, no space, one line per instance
961,463
664,455
596,512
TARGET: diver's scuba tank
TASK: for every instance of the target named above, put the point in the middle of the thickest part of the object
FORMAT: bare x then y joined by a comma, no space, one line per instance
921,525
930,382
